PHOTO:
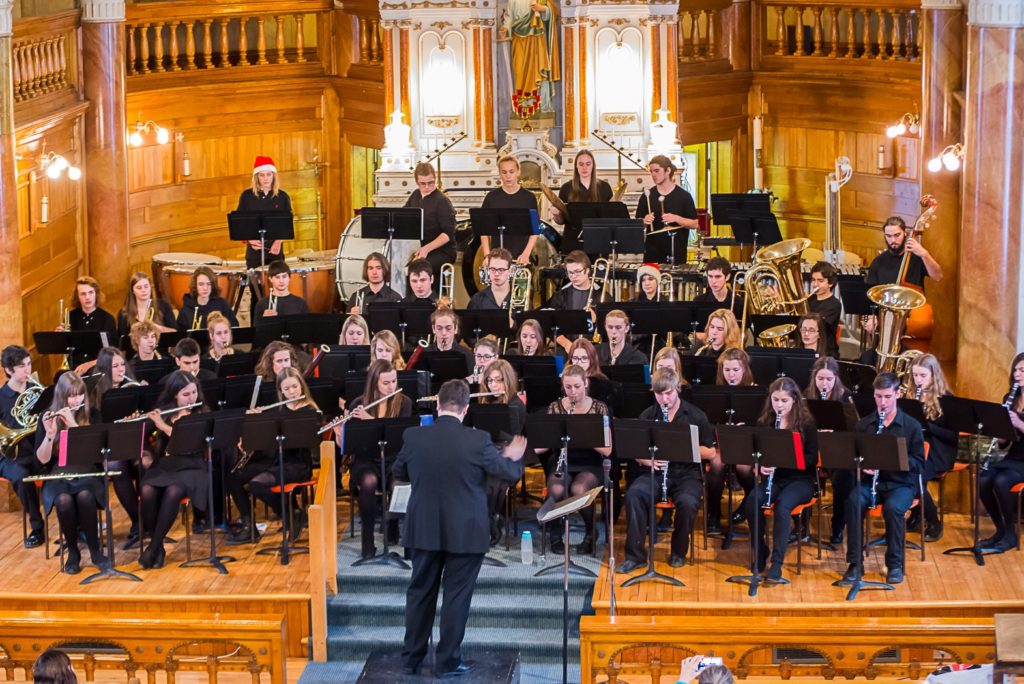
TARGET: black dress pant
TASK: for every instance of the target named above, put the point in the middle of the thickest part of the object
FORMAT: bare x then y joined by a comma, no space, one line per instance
994,491
28,493
842,485
786,495
431,570
895,501
684,492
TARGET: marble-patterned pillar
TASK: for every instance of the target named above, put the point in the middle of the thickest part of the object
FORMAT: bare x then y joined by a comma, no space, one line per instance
991,328
10,254
942,46
106,190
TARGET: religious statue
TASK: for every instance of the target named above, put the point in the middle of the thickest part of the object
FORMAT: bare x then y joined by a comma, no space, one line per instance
531,26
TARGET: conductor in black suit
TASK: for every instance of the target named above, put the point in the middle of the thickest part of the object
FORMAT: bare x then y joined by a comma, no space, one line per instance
447,528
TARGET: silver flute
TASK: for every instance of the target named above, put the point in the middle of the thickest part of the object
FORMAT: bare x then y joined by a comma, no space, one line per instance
874,476
771,476
664,471
1007,403
144,416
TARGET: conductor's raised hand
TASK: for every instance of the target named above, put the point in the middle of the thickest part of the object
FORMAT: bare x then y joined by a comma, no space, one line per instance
515,449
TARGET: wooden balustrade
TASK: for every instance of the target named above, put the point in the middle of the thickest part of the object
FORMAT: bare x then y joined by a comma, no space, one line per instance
836,30
371,48
172,36
44,55
640,648
699,31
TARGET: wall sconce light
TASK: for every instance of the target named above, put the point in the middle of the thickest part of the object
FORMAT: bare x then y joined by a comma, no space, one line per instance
53,166
949,158
907,122
137,132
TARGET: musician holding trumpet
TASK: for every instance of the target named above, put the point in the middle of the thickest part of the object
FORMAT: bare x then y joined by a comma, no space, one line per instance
783,489
77,499
258,473
202,299
894,491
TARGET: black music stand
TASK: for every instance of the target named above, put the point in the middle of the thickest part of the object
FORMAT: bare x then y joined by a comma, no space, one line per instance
533,366
749,215
83,443
566,508
497,421
646,439
981,419
391,223
555,431
443,365
339,360
262,226
239,363
197,432
298,329
587,211
484,322
386,436
700,370
496,223
831,415
859,377
857,451
410,319
541,392
768,447
275,431
610,236
413,383
86,343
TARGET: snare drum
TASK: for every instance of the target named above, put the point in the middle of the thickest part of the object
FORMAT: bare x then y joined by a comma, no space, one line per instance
176,279
311,280
164,259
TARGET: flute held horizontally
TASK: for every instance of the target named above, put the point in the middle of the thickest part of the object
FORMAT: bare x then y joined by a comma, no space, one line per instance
474,395
341,420
144,416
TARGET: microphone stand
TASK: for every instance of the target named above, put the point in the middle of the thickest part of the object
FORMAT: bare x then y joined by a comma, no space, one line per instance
606,464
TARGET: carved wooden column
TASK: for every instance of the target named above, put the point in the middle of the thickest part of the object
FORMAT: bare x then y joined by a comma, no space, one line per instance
737,32
103,67
941,68
10,254
991,328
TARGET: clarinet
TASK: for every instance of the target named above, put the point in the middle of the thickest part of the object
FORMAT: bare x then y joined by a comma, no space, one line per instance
824,394
771,476
563,454
874,476
1007,403
917,393
664,471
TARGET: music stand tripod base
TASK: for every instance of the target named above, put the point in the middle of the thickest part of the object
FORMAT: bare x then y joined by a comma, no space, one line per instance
567,565
858,584
110,572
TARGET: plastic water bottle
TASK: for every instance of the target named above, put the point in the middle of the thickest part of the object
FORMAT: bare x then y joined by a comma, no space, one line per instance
526,548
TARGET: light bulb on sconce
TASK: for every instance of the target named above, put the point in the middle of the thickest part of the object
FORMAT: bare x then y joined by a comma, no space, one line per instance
137,132
907,122
53,165
949,159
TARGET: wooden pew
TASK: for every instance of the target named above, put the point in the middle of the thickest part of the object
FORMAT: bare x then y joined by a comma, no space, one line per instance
645,649
130,642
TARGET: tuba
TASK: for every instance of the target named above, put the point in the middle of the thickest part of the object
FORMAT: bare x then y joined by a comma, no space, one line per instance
894,302
774,283
778,337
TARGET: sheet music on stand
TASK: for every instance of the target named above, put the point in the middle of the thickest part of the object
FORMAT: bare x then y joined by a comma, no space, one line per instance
400,498
569,506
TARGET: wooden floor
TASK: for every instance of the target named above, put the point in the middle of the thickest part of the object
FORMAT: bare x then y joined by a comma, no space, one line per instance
940,584
254,584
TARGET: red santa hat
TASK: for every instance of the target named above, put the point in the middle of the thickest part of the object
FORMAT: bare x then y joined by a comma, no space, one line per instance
263,164
647,269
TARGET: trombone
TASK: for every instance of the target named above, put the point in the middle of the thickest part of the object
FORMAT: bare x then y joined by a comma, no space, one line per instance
666,293
446,289
65,326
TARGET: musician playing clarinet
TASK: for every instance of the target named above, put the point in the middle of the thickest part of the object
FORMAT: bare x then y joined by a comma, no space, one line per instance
783,489
666,205
893,491
681,484
996,480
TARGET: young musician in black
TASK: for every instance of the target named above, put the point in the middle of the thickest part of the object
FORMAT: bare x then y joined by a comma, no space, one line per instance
894,491
718,273
666,205
498,294
827,385
617,351
141,306
280,301
421,283
784,488
377,274
438,244
510,195
445,326
265,196
87,316
221,336
812,334
576,295
996,481
684,484
77,499
17,364
585,465
171,477
825,303
202,299
262,471
365,476
187,358
500,378
585,186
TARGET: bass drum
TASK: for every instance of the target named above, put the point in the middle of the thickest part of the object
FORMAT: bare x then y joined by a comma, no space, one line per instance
353,249
545,252
165,259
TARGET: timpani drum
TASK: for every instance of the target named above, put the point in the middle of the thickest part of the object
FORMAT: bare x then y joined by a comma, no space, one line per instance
175,280
311,280
353,249
165,259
